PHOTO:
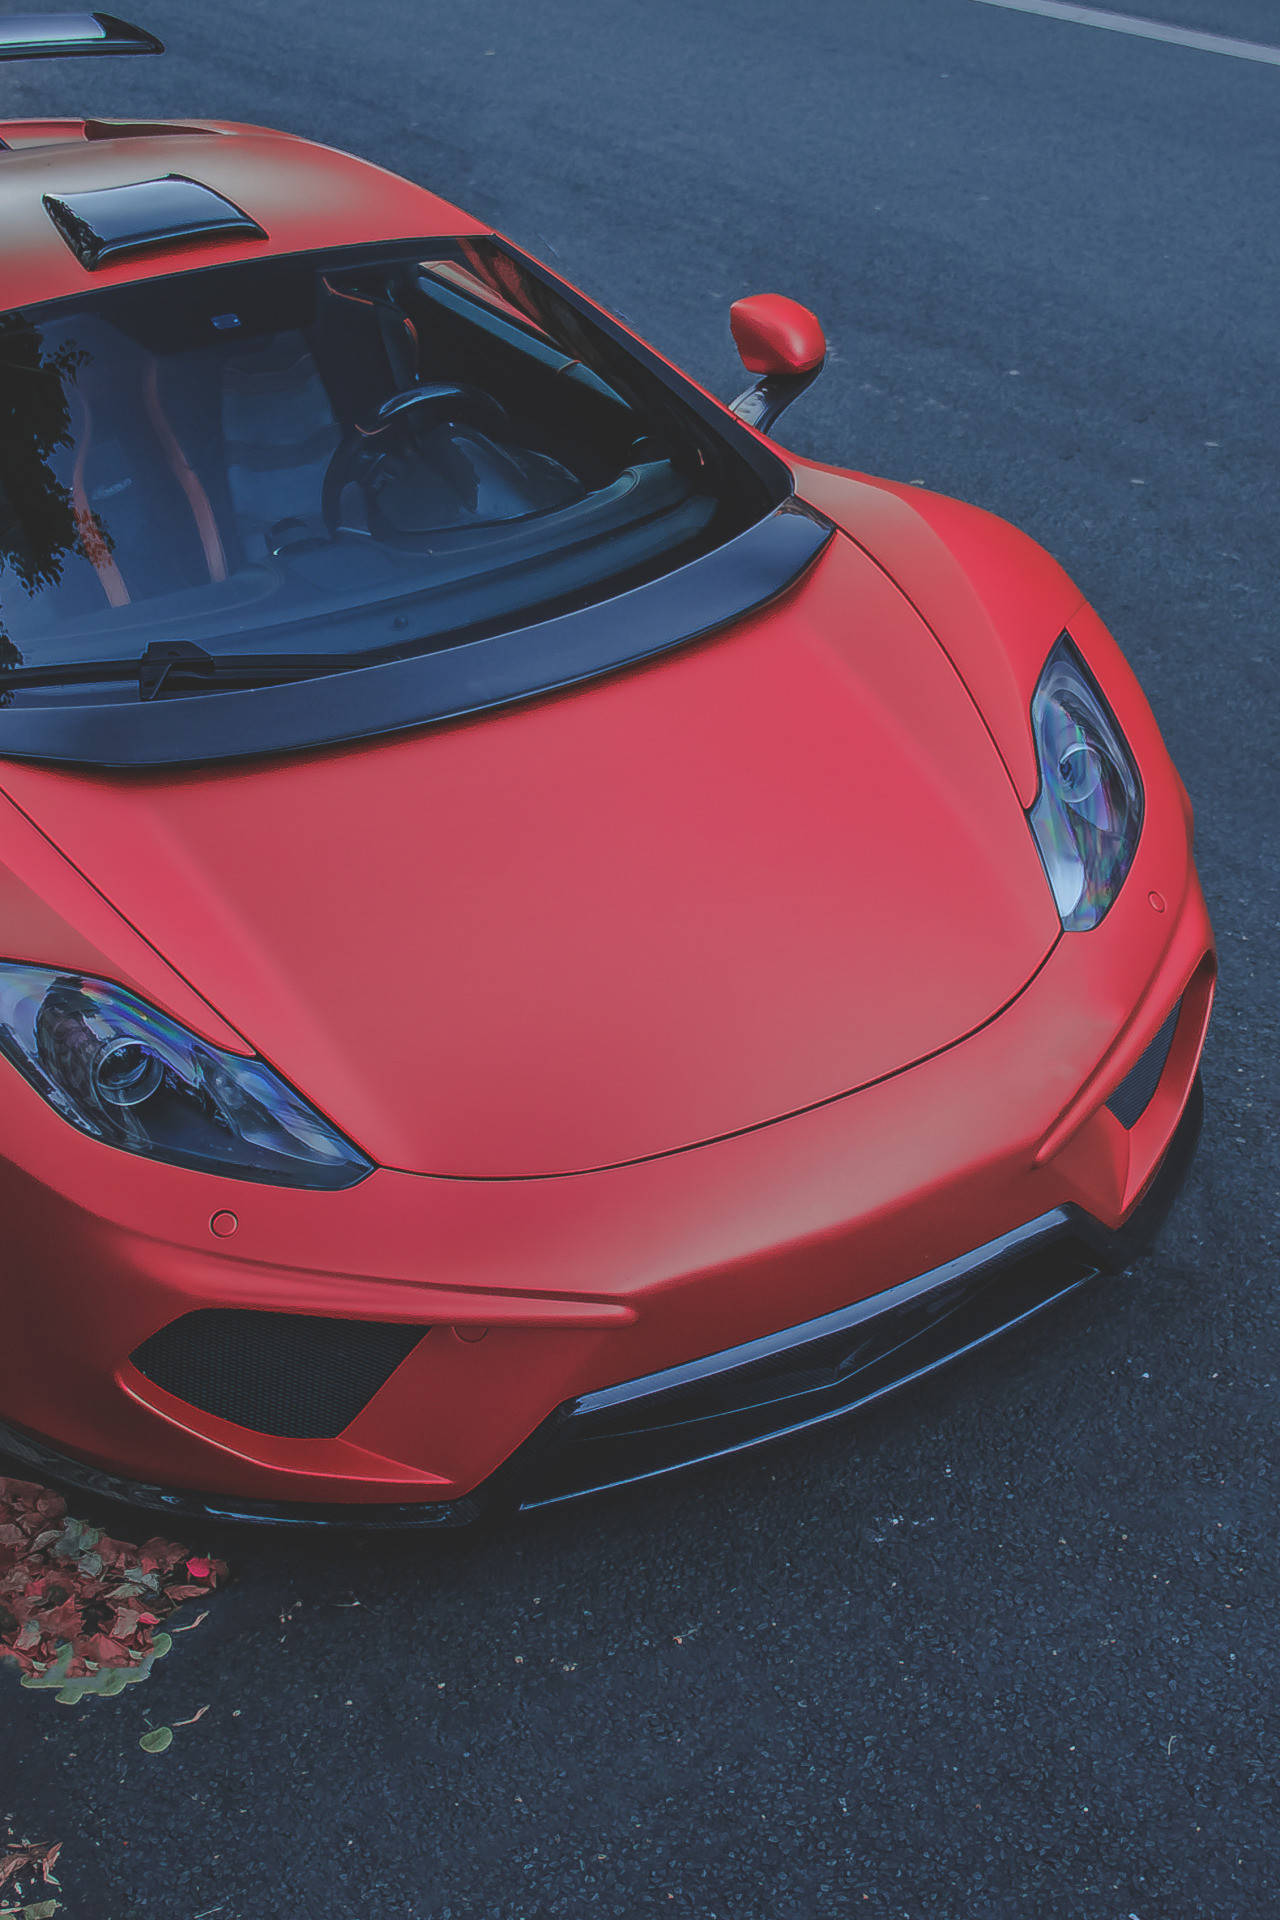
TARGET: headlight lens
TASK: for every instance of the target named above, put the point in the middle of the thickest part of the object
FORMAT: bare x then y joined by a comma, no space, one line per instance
1088,813
128,1075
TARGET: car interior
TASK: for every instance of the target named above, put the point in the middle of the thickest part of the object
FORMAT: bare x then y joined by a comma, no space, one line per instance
309,454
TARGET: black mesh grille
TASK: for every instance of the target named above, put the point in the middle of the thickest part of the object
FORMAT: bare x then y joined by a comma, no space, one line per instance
290,1374
1133,1096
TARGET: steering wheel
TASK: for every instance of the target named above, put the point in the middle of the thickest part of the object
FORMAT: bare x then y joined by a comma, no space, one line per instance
358,457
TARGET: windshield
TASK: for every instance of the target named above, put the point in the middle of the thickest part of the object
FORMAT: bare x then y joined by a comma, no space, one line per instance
362,455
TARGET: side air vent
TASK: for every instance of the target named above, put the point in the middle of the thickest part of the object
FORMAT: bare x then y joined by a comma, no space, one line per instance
1134,1094
57,36
109,223
290,1374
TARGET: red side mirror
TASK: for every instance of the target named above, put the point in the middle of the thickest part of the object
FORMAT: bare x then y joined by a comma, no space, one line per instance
775,335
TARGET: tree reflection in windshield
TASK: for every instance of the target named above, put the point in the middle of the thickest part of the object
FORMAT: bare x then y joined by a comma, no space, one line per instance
369,453
39,525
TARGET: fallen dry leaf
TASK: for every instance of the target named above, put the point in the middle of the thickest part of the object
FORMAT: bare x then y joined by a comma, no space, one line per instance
187,1626
68,1594
26,1858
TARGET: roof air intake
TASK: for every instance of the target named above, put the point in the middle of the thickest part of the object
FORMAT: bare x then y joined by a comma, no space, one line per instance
108,223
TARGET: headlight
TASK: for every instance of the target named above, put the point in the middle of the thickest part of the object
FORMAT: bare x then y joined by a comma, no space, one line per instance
128,1075
1088,813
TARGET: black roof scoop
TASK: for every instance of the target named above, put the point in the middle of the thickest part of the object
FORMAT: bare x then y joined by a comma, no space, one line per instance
55,36
107,224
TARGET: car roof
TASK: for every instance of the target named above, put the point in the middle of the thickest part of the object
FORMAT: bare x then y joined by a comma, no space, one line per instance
302,195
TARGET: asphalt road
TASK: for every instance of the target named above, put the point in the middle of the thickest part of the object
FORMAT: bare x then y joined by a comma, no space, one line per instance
1006,1648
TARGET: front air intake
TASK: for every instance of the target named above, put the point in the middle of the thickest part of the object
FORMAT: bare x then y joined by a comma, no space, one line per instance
289,1374
1135,1093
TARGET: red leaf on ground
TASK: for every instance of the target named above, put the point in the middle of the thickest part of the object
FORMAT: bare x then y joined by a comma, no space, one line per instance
104,1650
156,1554
62,1584
25,1493
62,1622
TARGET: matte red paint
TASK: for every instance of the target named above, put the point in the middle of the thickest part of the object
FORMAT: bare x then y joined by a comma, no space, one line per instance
776,335
729,886
681,902
588,1280
303,195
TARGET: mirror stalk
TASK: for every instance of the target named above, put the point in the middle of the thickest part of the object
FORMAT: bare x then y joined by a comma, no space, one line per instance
764,402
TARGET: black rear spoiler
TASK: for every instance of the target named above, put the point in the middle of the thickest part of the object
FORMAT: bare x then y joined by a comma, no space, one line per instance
54,36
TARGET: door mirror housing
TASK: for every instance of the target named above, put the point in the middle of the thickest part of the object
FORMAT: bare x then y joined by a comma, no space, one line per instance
783,342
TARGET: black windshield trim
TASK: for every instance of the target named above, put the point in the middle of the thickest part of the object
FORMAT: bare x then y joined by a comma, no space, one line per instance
475,673
401,695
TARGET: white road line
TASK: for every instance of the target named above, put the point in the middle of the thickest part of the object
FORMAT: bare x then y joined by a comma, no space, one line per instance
1144,29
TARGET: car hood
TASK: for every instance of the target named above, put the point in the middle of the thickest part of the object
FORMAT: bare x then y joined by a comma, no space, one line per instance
742,879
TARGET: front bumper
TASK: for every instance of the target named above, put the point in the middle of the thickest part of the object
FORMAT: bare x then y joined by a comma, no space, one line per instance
743,1396
808,1375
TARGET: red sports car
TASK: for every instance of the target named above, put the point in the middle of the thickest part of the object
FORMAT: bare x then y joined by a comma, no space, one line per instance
544,938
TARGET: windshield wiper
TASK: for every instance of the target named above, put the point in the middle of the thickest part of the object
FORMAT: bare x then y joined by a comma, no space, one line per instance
166,661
